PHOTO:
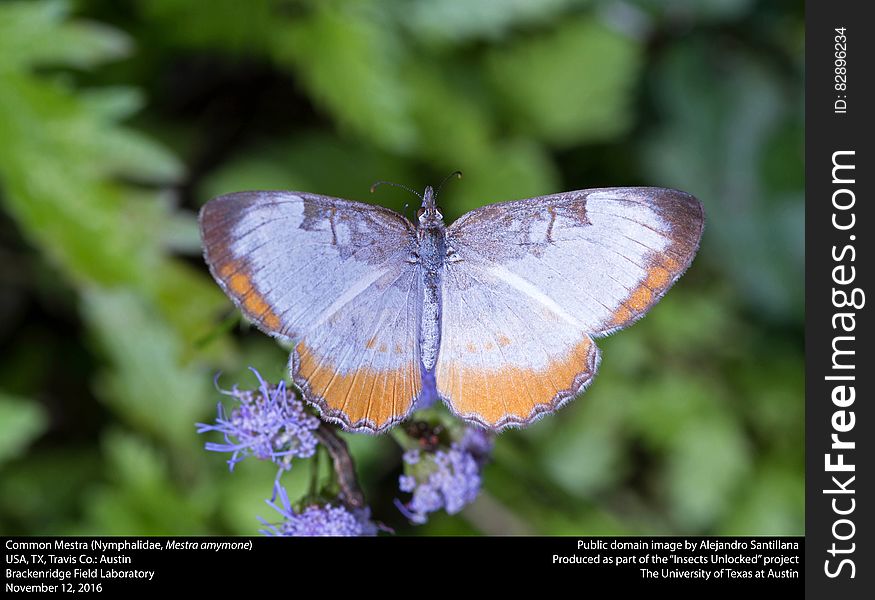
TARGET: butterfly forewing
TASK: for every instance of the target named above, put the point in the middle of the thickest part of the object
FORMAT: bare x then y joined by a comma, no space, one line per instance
334,277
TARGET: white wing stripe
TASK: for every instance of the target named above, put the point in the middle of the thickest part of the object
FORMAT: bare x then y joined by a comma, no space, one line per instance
350,294
520,284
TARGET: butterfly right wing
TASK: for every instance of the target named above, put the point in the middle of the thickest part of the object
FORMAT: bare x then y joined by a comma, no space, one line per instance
530,283
334,277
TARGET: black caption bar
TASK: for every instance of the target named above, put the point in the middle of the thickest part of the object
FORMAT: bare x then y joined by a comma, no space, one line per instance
839,229
203,565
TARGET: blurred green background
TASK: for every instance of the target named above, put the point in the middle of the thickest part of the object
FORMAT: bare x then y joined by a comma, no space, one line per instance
119,119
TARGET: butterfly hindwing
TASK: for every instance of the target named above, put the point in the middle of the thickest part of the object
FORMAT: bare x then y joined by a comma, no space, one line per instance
360,364
507,356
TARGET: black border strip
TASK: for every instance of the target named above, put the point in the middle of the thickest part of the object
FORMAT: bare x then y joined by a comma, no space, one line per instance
837,120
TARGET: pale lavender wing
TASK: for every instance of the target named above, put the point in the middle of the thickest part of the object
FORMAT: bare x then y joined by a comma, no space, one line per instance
529,283
332,276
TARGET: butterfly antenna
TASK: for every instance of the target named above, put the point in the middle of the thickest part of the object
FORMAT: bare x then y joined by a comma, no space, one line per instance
403,187
447,178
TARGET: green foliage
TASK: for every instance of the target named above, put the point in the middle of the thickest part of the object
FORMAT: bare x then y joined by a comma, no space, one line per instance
700,10
138,493
342,52
21,422
571,86
732,136
116,124
450,22
147,381
37,34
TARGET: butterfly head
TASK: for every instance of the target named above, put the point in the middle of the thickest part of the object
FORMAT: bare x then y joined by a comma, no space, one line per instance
430,216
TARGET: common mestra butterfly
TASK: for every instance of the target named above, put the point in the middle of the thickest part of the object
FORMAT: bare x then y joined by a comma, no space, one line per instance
495,314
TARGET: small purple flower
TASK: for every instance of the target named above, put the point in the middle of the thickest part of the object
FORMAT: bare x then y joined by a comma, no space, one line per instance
444,479
268,423
411,457
407,483
478,442
319,519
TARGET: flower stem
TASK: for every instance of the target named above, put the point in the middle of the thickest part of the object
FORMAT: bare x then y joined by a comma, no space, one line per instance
314,472
343,465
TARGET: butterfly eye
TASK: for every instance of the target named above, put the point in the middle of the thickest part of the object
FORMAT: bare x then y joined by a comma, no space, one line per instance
438,212
419,213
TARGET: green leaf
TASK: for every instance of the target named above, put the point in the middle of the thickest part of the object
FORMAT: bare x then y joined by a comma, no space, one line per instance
112,104
50,185
453,115
61,153
147,385
571,85
350,63
21,422
57,154
35,34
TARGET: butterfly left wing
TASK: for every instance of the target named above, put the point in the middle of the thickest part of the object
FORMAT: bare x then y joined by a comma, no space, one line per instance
333,276
529,283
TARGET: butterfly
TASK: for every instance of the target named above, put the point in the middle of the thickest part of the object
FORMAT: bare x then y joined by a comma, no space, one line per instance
495,314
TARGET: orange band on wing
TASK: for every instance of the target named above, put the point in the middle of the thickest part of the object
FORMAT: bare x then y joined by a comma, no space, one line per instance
253,303
657,280
515,395
364,398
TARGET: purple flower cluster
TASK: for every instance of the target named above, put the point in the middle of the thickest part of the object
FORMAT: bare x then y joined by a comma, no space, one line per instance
319,519
444,479
268,423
